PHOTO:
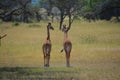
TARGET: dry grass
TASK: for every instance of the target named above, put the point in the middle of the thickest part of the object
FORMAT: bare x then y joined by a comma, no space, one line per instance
95,54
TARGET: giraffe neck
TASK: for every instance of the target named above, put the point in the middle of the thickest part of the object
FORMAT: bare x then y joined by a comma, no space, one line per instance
48,34
65,36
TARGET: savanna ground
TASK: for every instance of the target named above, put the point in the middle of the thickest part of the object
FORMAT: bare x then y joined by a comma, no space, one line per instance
95,54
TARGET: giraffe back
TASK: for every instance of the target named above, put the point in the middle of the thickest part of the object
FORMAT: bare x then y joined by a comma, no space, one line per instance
46,48
67,46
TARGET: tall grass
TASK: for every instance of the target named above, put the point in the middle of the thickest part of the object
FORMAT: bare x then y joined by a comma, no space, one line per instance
95,54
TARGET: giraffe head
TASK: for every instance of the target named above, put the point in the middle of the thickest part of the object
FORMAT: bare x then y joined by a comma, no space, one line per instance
65,28
49,26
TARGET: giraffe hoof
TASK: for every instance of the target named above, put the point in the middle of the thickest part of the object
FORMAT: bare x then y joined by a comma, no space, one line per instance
46,65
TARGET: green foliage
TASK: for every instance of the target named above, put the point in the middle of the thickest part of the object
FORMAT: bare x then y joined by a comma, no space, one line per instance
92,4
22,10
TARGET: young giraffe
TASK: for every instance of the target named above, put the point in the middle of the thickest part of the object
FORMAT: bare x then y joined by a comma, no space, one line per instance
67,45
47,46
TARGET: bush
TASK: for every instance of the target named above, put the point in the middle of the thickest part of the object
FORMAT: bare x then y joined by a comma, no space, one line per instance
1,21
16,24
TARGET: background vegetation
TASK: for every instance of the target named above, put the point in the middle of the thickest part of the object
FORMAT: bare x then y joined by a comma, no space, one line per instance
27,10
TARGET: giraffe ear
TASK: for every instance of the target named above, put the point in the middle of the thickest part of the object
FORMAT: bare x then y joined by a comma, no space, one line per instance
63,28
49,24
67,28
51,28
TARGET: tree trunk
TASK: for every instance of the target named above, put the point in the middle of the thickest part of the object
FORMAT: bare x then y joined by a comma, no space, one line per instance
70,21
61,21
91,4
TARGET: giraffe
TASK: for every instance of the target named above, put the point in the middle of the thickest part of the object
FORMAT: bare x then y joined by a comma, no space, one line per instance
67,45
47,46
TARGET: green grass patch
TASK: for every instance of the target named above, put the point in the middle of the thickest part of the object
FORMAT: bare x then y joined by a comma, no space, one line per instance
34,25
40,73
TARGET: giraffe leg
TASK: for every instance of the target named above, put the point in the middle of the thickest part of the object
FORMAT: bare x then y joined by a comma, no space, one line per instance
44,61
67,63
48,60
67,60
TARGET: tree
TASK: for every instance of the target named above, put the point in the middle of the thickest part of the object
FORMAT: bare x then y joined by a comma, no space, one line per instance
68,8
109,9
6,10
25,11
22,9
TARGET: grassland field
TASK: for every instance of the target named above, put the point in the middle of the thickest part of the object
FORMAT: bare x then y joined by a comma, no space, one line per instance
95,54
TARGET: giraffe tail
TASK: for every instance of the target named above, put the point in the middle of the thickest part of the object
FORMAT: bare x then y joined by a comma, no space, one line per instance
61,50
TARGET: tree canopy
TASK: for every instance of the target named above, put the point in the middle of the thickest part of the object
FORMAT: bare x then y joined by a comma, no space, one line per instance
20,10
68,8
24,10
